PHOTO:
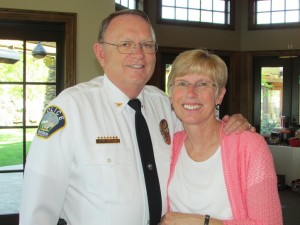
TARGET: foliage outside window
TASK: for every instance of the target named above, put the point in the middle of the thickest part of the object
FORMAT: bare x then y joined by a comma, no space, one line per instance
271,98
28,82
274,13
207,13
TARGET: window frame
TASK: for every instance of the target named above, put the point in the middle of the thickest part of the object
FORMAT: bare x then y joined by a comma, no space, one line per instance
67,63
69,20
254,88
230,26
252,18
139,4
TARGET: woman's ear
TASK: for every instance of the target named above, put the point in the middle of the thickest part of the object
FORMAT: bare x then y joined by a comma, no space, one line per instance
99,53
221,96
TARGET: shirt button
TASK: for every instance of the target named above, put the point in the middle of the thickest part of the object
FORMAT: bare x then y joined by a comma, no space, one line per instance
150,166
109,160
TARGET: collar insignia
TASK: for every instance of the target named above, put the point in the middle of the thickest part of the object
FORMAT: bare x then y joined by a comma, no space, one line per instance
118,104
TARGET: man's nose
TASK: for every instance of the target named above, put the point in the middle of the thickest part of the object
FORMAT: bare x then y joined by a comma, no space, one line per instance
137,49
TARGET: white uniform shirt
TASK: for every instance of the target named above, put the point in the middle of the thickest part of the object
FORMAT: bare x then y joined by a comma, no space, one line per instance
69,175
199,187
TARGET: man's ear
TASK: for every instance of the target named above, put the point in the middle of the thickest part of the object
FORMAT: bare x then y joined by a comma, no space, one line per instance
99,53
170,99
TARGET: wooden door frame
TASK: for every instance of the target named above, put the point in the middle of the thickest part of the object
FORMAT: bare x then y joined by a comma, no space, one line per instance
69,20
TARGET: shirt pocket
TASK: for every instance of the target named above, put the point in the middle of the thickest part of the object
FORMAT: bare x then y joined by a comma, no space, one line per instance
110,155
115,175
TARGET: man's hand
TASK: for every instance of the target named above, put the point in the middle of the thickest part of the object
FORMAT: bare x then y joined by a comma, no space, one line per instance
237,124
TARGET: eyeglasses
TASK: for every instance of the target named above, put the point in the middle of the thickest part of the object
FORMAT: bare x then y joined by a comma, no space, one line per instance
127,47
199,85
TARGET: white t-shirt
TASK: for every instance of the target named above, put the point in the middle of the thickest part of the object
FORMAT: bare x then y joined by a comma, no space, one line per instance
199,187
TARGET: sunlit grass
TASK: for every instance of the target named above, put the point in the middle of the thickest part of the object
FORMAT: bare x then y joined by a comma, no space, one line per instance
11,147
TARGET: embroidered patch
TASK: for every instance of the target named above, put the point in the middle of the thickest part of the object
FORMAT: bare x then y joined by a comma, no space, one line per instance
164,130
52,121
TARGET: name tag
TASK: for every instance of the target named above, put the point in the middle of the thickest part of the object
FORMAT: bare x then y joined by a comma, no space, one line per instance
107,140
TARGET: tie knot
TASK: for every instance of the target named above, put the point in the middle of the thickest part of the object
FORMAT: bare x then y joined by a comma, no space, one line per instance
135,104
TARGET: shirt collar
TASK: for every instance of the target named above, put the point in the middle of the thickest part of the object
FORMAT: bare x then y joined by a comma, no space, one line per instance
117,99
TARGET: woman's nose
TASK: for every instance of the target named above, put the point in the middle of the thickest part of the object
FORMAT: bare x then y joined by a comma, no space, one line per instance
191,89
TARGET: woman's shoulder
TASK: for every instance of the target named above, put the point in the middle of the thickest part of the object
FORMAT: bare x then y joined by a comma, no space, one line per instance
247,140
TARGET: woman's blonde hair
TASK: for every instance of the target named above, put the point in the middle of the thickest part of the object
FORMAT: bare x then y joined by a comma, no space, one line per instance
201,62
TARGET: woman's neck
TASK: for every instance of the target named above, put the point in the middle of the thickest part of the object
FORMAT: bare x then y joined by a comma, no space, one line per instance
202,140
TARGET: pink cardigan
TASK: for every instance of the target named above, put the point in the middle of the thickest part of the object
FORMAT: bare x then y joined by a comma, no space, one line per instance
249,176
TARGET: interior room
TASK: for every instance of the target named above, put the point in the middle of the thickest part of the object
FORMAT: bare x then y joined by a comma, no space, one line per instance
260,59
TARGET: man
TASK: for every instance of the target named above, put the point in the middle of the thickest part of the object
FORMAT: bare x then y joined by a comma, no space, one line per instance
84,164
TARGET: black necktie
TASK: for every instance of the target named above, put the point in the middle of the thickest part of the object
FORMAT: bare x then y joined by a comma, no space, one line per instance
148,161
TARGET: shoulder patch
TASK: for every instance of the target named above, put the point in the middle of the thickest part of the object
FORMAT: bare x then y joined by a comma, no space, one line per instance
52,121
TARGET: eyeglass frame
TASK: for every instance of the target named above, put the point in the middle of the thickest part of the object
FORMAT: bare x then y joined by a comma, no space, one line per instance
134,46
198,84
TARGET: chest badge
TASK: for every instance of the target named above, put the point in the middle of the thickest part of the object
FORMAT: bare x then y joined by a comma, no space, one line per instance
107,140
164,130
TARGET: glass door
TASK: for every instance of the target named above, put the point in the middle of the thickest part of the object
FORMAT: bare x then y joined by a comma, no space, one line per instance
276,94
27,84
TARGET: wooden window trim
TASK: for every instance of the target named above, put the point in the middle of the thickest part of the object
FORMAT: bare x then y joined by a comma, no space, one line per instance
70,24
230,26
139,4
253,26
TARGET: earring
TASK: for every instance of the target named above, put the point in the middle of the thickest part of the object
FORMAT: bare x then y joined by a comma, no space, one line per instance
217,110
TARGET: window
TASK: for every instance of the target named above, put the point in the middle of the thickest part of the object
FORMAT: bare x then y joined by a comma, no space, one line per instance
129,4
28,81
206,13
276,93
274,13
36,63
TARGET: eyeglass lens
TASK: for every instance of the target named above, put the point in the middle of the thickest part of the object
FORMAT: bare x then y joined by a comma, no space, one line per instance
129,46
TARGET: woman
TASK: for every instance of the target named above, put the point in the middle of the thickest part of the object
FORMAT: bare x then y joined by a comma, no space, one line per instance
215,179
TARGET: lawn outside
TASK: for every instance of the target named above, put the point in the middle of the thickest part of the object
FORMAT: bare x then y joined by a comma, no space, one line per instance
11,146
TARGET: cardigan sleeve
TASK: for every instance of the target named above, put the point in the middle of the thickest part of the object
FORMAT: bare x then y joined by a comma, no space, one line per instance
258,182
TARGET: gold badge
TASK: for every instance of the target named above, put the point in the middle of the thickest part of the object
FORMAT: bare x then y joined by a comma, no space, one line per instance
107,140
118,104
164,130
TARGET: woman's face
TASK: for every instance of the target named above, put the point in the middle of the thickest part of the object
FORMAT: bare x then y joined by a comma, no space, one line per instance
194,98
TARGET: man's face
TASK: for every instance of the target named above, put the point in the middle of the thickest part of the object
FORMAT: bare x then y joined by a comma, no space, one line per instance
132,70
